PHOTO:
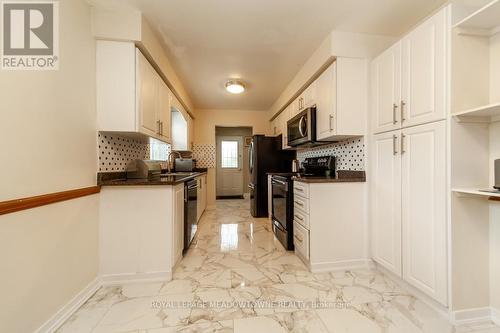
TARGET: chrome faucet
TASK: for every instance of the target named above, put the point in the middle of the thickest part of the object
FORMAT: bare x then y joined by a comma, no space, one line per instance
169,158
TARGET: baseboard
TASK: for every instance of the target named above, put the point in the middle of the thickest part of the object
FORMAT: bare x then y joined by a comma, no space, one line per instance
68,309
495,316
114,279
341,265
421,296
472,316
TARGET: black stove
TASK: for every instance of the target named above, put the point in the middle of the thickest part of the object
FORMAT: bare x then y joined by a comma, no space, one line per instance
282,195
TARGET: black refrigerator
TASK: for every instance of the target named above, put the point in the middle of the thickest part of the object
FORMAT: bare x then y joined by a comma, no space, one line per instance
265,155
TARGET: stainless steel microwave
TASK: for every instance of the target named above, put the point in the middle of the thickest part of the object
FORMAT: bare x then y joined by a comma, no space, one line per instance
301,129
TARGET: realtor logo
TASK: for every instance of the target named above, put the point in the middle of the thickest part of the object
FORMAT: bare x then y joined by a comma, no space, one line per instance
30,35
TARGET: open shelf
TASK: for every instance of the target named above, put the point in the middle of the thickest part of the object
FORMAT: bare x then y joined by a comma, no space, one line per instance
476,193
484,21
484,114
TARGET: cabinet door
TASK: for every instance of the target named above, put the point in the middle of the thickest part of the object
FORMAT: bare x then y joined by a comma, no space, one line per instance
178,230
326,103
309,96
284,126
204,193
294,108
147,99
386,90
424,72
165,112
386,202
424,209
199,195
279,124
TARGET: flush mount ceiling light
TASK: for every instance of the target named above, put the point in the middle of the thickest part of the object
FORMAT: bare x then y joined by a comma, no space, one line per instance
235,86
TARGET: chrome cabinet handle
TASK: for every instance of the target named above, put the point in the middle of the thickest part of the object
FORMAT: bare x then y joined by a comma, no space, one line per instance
394,149
159,124
403,104
394,109
298,238
331,118
299,189
161,128
403,143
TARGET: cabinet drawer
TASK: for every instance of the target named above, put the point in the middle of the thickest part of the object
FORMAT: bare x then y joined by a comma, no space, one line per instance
301,240
301,218
301,189
301,203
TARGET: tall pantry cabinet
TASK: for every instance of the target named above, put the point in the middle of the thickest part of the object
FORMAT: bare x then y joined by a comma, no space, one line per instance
408,188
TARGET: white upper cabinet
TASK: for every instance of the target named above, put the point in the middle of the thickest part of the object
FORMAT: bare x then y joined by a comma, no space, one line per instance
423,93
424,208
286,115
147,96
164,110
409,79
386,202
386,90
341,100
131,95
326,102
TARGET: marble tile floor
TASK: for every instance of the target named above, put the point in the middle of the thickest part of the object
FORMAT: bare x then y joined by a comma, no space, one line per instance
237,277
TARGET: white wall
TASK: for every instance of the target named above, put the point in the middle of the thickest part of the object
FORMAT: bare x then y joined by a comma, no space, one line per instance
48,130
208,120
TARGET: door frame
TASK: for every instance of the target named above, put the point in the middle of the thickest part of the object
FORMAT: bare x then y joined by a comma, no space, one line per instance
218,168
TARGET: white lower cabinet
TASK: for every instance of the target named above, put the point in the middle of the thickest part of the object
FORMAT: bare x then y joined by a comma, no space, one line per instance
386,202
141,231
409,206
329,229
201,196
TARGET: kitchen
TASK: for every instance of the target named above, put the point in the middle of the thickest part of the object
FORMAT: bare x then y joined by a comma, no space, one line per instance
229,167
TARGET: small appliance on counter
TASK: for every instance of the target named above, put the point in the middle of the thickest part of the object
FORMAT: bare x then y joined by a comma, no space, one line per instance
184,165
320,166
143,169
295,166
497,174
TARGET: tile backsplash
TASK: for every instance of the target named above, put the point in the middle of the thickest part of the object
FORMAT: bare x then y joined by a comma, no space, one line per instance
205,155
350,153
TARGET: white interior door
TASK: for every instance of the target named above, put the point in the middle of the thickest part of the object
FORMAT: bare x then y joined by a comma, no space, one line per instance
386,202
229,165
424,209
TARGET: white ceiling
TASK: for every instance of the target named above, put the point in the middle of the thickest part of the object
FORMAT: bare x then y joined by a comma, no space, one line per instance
263,42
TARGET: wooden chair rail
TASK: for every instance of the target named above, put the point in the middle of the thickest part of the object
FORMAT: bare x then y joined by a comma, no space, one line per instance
16,205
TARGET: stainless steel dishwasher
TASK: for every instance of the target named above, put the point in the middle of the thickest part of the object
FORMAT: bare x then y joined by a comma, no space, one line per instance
190,211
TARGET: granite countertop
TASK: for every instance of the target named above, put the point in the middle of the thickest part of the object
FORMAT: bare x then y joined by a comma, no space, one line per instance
343,176
120,179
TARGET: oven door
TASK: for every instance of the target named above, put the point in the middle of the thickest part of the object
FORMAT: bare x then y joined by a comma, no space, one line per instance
301,129
279,200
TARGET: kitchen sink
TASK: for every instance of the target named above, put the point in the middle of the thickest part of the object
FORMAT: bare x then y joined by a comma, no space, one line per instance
178,174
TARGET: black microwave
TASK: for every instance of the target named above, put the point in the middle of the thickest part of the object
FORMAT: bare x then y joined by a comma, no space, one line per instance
301,129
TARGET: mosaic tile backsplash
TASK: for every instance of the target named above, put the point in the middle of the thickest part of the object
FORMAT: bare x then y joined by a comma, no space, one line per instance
350,154
204,154
115,152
